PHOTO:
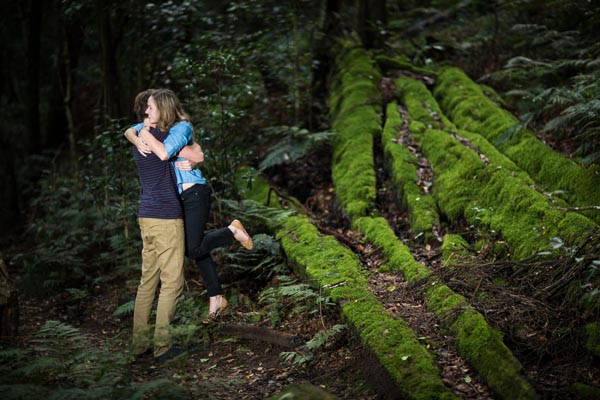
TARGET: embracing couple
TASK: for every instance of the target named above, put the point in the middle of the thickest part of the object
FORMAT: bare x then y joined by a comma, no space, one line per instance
173,212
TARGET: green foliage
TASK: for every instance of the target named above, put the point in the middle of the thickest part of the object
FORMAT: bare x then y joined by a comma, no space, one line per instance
85,220
290,297
294,144
555,86
61,364
321,338
264,262
303,356
261,217
124,309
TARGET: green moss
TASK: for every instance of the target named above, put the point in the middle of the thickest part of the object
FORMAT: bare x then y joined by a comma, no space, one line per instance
325,263
457,172
482,346
479,343
421,105
399,258
386,63
522,215
455,249
442,301
356,121
489,190
398,349
469,108
592,338
581,391
401,162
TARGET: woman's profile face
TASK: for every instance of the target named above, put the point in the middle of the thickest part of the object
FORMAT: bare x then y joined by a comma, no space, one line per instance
152,111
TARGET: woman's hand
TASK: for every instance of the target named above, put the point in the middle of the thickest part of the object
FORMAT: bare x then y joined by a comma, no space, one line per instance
142,146
185,165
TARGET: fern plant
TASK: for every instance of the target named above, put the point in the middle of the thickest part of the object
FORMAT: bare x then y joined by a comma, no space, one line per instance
60,363
290,297
555,89
304,355
85,222
294,144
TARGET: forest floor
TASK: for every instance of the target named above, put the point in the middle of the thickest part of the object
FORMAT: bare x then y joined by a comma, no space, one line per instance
226,366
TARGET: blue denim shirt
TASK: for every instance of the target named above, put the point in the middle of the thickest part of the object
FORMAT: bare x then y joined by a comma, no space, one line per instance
180,135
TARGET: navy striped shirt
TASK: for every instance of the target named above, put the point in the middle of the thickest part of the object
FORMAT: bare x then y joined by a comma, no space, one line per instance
158,186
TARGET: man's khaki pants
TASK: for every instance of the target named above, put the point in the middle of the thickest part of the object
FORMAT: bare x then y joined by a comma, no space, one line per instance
162,261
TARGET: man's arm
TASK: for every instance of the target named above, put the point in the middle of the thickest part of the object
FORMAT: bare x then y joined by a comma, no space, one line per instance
192,152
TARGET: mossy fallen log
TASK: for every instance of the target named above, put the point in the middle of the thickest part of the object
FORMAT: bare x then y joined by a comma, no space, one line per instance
478,183
469,108
337,271
402,165
455,249
356,119
408,369
477,341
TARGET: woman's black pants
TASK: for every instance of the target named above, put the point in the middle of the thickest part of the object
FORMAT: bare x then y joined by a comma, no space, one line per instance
198,243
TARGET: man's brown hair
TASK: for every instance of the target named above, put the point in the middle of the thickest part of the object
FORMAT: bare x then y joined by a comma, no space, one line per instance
141,103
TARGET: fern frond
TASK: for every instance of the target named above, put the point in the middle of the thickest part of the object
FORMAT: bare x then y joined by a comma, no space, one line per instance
296,358
296,143
124,309
21,391
321,338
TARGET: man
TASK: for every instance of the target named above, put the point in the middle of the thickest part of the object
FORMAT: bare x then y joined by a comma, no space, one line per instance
162,231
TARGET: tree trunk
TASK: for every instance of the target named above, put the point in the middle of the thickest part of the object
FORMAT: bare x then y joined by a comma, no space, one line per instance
110,77
9,305
330,29
370,14
32,34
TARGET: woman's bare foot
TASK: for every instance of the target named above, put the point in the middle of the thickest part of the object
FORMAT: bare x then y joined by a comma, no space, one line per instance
240,234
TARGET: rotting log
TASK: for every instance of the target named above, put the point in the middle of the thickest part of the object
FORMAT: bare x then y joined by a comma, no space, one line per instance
479,343
402,165
355,112
477,182
325,263
397,361
465,102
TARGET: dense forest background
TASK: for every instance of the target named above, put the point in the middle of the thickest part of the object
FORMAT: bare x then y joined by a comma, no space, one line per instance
254,77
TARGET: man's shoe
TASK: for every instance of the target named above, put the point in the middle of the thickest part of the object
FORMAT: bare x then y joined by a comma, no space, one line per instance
173,352
141,357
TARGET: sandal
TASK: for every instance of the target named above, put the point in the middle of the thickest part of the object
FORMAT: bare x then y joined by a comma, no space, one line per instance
212,316
247,243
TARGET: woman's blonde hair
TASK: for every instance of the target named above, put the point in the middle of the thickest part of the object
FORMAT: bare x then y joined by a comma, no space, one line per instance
169,108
